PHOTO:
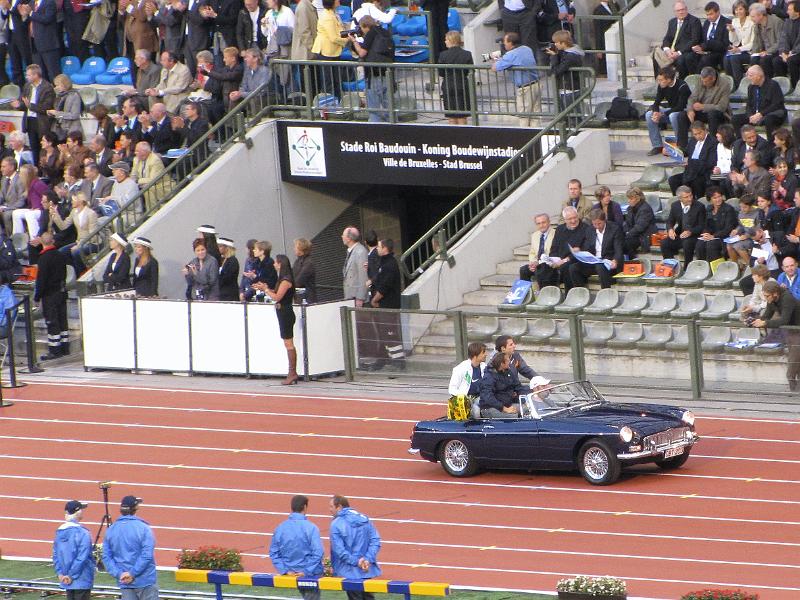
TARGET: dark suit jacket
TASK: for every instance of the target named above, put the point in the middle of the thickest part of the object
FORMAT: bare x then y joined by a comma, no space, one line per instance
45,100
548,19
763,147
229,80
146,282
244,30
565,239
199,36
20,36
696,218
704,164
691,34
720,42
227,17
101,190
770,100
779,9
45,28
600,27
103,162
117,276
640,222
193,130
162,137
721,224
611,248
172,20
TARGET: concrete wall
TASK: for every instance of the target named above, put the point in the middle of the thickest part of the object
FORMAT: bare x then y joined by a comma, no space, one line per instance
479,38
510,224
242,195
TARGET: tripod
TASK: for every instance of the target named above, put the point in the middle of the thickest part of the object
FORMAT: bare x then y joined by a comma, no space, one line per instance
104,522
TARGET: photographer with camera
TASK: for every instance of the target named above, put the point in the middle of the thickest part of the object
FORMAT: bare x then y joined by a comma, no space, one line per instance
564,55
377,47
72,554
128,553
525,77
783,309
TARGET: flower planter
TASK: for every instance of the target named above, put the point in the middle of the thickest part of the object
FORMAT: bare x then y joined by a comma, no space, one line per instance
586,596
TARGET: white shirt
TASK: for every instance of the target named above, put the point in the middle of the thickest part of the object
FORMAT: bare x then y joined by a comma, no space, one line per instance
512,5
368,8
34,96
598,242
188,8
698,148
254,20
711,26
724,157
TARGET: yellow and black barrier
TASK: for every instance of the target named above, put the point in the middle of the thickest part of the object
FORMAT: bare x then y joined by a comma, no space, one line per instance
333,584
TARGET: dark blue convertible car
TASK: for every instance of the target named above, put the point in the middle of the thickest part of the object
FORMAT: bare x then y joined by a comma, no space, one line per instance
563,427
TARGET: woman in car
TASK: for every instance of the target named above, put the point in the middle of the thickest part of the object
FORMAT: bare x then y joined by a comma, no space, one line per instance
500,389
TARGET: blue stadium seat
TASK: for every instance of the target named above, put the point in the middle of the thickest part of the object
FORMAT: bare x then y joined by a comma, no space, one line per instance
345,14
354,86
117,69
91,68
412,26
70,65
407,44
453,20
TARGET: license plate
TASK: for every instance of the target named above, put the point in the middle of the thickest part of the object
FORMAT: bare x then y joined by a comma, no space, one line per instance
673,452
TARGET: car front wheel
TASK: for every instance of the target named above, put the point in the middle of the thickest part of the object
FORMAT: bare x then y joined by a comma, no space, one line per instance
597,463
675,462
457,458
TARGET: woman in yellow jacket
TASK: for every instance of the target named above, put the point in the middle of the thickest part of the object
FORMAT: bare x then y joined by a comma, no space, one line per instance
328,45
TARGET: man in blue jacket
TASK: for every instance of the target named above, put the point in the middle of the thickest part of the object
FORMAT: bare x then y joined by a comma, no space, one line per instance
72,554
296,547
128,553
354,545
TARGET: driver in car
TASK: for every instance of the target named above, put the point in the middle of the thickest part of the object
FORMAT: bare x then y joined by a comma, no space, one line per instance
539,397
500,389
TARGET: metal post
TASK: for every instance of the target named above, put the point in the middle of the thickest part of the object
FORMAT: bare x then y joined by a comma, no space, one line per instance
460,334
576,347
346,313
623,91
304,330
246,311
390,94
308,88
473,95
695,359
30,340
218,589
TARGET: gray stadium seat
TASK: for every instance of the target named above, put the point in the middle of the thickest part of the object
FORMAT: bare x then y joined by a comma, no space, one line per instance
11,91
693,81
598,333
722,305
626,335
735,315
539,330
744,333
664,303
786,85
680,339
514,327
655,203
724,276
577,299
563,333
89,97
547,299
604,302
668,281
692,304
650,178
633,304
737,284
696,273
655,337
715,338
740,95
483,328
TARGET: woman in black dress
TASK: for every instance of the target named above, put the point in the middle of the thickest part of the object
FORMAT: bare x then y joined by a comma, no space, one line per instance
145,269
228,271
283,296
117,275
455,93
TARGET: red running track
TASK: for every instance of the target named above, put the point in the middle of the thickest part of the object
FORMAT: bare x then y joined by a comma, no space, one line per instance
220,468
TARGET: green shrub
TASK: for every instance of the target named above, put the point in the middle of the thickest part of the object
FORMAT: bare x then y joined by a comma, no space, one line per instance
212,558
719,595
596,586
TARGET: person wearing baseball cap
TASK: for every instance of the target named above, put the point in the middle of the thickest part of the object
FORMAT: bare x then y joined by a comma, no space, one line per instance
128,553
72,554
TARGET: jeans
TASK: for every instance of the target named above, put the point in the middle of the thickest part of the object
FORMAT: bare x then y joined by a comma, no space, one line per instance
146,593
377,97
654,130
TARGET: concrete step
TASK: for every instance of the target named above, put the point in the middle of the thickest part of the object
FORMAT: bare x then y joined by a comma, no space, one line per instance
628,140
638,160
619,177
502,281
485,297
511,267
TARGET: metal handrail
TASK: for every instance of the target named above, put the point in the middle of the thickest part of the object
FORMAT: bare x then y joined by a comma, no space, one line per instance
497,187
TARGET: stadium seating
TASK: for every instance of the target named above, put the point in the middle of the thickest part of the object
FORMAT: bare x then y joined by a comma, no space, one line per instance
692,304
715,338
70,65
665,302
605,301
92,67
577,299
118,71
724,276
626,335
483,328
655,337
680,339
634,302
722,305
598,333
546,301
696,273
539,331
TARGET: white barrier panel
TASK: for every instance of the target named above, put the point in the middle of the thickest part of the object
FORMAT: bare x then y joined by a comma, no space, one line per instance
266,350
218,337
162,335
108,340
324,325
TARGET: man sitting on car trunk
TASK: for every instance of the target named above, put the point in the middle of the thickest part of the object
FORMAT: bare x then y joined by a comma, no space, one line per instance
500,390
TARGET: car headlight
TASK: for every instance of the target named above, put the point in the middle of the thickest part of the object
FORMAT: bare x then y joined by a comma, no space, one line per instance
626,433
688,417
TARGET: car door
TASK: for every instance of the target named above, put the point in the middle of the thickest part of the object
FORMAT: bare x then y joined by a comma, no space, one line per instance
509,443
557,438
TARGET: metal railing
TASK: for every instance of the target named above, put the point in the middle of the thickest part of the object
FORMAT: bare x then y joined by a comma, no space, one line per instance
502,183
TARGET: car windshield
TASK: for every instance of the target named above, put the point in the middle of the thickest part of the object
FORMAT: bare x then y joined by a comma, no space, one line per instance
555,399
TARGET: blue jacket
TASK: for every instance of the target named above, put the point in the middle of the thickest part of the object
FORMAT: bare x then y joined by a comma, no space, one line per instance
128,547
353,537
296,547
783,280
7,300
72,555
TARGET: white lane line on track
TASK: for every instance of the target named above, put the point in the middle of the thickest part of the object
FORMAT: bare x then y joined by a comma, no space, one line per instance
411,522
468,547
304,453
195,488
144,407
687,496
748,439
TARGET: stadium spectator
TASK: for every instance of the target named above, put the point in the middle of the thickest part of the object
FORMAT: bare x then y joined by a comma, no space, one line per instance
787,60
117,274
685,223
505,344
283,297
44,33
18,150
354,272
100,154
38,96
438,10
783,309
743,230
157,129
765,104
305,274
576,200
373,257
128,118
720,221
525,77
454,82
788,278
606,243
750,140
355,544
128,553
754,180
12,192
29,216
684,31
248,26
138,27
741,32
500,389
573,233
277,26
105,125
296,547
760,274
228,77
465,380
66,114
125,148
604,8
223,15
73,152
305,30
709,103
228,271
776,7
51,291
145,269
265,272
767,35
783,147
565,55
72,184
377,47
385,293
84,220
541,244
639,224
202,275
197,32
148,75
208,235
146,168
174,84
554,15
192,129
672,92
50,163
715,40
97,186
170,17
248,272
73,561
701,158
783,184
19,42
374,10
255,75
123,189
63,206
328,45
9,262
770,218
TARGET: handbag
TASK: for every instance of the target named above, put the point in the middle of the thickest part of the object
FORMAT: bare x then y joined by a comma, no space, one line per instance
663,270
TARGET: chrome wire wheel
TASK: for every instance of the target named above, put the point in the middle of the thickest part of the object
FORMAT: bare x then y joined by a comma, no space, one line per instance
456,455
595,463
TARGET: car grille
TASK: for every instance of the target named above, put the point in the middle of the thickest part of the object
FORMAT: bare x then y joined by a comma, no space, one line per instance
665,438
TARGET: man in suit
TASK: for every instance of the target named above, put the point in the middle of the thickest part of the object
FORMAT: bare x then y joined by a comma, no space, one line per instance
19,40
197,33
765,41
139,29
38,97
715,41
686,221
174,83
554,15
701,159
606,243
147,166
171,16
76,17
5,38
573,234
18,150
519,16
157,129
192,128
354,272
750,140
639,223
100,154
12,192
541,243
223,14
97,185
765,104
683,33
148,75
128,119
709,103
788,58
248,27
45,41
305,30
